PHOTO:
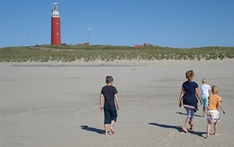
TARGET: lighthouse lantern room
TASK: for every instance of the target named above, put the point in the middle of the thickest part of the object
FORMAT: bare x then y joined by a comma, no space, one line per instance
55,26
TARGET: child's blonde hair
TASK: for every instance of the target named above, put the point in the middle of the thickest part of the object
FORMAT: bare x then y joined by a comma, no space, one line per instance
215,89
204,80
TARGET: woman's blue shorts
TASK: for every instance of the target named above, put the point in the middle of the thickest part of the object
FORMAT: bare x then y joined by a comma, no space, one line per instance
190,113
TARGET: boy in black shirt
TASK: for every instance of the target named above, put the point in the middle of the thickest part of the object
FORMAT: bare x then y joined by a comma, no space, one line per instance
109,93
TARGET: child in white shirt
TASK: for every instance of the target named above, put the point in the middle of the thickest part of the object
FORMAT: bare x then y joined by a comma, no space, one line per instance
205,92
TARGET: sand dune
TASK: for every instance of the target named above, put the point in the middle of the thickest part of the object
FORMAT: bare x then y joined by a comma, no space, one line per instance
56,104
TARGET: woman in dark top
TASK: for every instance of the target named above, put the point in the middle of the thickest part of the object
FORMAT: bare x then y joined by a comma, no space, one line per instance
189,94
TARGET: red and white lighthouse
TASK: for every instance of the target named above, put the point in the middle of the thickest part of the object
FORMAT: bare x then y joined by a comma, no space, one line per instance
55,26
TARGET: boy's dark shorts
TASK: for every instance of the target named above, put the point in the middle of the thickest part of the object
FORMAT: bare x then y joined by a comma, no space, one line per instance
110,113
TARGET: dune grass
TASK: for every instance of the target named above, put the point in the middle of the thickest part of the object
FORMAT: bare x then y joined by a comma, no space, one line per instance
69,53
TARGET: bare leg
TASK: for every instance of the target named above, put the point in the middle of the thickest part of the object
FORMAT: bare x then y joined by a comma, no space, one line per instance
106,129
186,125
216,129
111,127
204,110
208,128
191,125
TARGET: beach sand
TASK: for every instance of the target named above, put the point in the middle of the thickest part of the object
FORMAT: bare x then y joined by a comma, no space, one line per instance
56,104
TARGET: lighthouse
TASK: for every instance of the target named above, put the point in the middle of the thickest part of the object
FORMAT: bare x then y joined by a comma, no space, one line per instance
55,26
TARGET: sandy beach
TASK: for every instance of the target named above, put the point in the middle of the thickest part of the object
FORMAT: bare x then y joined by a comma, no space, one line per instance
56,104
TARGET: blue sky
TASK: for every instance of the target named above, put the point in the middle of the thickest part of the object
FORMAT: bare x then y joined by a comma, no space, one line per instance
172,23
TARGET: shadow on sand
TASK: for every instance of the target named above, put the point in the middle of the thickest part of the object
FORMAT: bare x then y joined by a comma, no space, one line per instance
167,126
91,129
181,113
177,128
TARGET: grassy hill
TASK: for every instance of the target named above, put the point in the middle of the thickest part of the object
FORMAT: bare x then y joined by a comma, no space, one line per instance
68,53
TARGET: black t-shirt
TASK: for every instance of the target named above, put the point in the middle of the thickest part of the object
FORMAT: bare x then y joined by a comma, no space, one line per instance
109,92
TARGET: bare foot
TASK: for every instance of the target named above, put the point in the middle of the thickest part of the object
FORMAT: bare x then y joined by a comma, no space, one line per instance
216,134
185,130
207,136
106,133
112,131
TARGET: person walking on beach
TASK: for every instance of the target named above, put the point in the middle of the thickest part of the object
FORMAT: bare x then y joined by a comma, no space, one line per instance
205,92
189,94
213,111
109,93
